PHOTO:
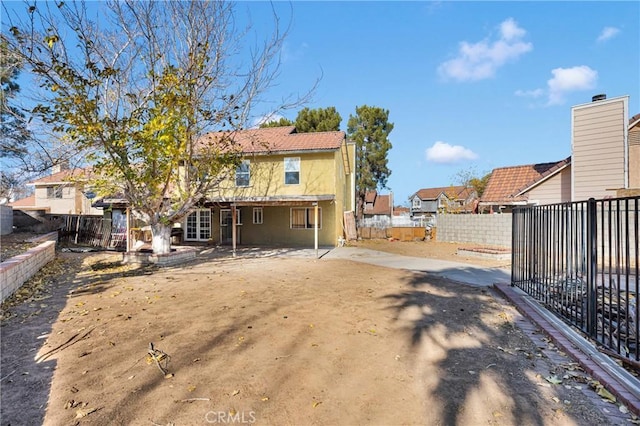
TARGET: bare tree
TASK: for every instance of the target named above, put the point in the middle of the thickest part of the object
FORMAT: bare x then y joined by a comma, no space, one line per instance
134,86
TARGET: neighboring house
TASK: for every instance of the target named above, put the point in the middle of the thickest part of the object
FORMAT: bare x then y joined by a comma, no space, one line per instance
378,209
284,180
544,183
428,202
60,193
604,162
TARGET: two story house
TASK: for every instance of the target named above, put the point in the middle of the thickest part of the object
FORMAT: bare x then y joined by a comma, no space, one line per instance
60,193
428,202
377,210
291,189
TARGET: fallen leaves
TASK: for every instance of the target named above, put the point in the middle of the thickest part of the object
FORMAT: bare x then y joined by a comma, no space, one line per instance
602,391
554,380
84,412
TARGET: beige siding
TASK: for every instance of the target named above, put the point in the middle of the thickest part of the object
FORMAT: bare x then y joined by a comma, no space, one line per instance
634,157
556,189
599,148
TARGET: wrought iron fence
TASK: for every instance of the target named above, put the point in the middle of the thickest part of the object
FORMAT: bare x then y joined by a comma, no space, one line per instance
581,260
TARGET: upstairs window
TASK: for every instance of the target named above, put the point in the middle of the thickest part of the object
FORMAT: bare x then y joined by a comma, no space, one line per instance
292,170
416,203
54,191
242,174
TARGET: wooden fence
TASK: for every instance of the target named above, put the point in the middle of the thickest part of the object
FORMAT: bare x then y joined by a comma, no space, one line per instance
94,231
400,233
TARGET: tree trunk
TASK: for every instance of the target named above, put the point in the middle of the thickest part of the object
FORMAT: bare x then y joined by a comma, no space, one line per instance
161,238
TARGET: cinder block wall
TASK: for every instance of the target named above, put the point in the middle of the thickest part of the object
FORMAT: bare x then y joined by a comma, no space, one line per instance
6,220
485,229
15,271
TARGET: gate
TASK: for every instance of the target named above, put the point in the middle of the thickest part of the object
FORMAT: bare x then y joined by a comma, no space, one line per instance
581,260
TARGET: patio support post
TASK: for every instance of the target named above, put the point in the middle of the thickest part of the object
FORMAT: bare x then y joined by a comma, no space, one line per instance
233,228
315,227
128,230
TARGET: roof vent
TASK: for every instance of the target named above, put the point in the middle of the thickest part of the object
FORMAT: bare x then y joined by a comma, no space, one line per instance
600,97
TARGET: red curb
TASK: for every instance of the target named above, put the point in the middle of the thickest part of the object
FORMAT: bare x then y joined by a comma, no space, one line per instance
589,365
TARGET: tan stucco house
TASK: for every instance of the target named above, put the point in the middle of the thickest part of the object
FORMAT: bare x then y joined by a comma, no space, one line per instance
60,193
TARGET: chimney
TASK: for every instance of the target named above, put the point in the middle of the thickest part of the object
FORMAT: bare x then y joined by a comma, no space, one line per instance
60,166
600,97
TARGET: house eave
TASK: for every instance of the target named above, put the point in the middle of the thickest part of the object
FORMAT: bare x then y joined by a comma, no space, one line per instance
273,201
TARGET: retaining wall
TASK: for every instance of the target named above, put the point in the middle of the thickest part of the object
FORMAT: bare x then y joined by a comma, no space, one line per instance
180,255
17,270
485,229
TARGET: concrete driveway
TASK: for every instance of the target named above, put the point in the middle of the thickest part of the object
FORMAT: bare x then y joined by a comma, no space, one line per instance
462,272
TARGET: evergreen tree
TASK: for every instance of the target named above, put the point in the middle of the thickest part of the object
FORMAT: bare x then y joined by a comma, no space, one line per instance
370,129
318,120
277,123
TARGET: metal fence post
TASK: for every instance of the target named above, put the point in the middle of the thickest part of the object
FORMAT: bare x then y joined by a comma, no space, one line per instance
592,265
514,238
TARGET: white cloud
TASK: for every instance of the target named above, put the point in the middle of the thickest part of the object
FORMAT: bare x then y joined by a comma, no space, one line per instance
567,80
442,152
607,33
481,60
529,93
257,122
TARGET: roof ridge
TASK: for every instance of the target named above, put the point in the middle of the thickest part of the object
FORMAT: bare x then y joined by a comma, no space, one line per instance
544,174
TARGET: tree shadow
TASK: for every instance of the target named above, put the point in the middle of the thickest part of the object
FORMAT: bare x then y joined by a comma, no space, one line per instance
465,351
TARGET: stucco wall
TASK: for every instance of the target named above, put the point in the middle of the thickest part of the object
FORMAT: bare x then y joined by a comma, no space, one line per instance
6,220
276,227
485,229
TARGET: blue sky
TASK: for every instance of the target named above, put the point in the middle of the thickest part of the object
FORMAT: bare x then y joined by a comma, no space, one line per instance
469,85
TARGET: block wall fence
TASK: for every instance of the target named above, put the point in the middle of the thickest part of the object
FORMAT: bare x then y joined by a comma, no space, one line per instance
485,229
16,271
6,220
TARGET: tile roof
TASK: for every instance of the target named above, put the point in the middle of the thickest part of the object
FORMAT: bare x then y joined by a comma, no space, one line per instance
381,203
506,184
29,201
456,192
401,210
279,139
63,176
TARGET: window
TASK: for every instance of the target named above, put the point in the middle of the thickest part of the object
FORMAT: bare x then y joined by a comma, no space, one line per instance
198,225
242,174
416,203
302,218
257,215
54,192
292,170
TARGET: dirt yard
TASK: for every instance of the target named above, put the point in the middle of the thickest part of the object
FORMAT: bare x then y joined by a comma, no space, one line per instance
276,341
